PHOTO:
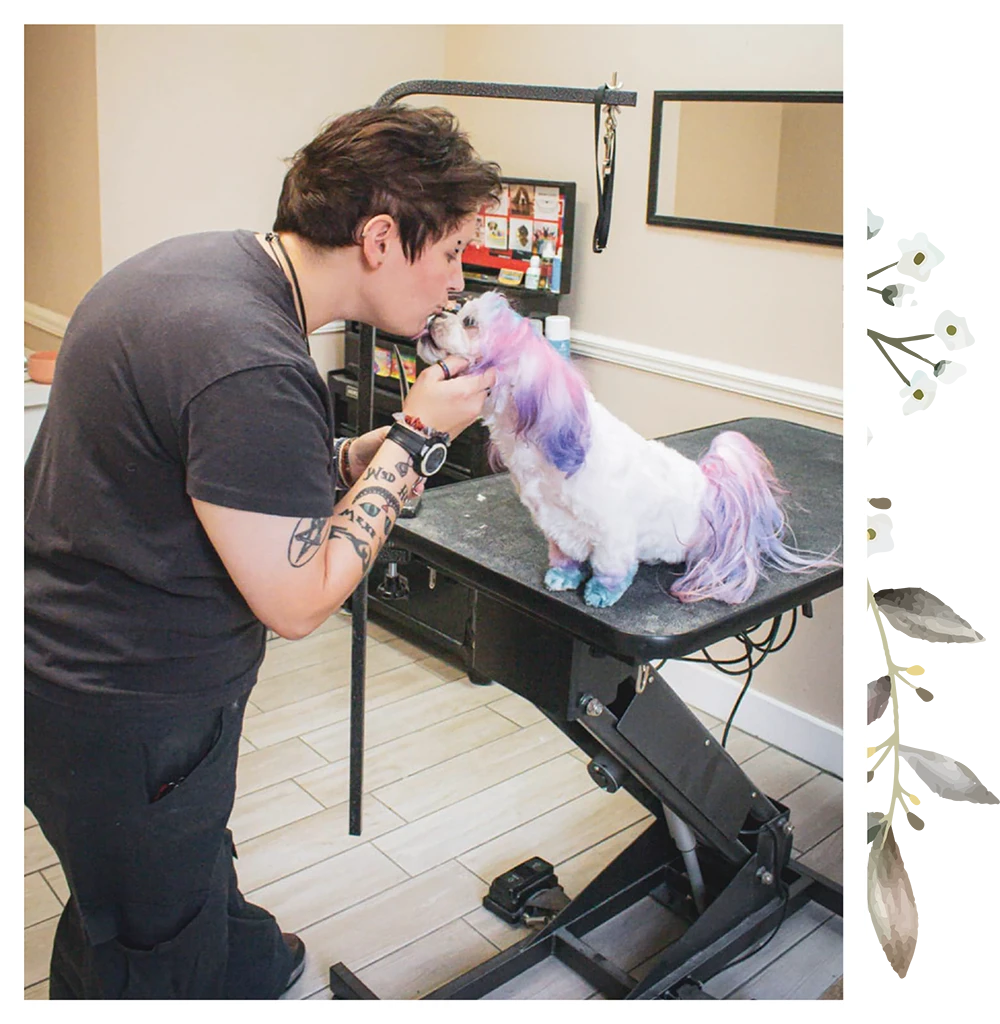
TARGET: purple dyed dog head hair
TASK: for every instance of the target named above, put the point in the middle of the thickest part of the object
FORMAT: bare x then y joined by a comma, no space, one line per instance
550,394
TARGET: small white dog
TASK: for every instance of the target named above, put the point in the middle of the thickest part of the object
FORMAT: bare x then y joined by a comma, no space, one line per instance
600,492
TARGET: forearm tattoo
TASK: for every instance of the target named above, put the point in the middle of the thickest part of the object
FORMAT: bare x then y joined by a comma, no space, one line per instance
362,548
307,538
377,473
373,509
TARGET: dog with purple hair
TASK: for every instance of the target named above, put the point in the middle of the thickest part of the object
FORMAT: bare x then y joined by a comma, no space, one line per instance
606,498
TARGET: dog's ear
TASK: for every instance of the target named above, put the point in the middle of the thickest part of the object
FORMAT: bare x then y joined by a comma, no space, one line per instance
550,397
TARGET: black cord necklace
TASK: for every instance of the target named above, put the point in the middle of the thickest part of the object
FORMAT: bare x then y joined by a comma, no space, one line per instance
271,237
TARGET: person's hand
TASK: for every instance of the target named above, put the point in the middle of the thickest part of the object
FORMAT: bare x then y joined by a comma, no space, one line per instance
447,401
362,450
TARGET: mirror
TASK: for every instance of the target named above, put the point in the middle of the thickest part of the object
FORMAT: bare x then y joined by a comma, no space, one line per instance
749,163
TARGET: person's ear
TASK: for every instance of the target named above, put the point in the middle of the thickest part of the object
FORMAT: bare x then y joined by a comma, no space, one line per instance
376,236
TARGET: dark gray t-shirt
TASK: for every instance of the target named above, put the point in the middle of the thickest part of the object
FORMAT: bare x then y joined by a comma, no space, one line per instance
183,374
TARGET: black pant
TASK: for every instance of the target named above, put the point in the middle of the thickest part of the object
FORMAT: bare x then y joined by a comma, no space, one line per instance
136,807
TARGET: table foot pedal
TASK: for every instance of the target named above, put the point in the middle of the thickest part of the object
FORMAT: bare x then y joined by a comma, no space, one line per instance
528,894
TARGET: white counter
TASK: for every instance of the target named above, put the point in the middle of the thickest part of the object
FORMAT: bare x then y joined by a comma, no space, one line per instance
36,398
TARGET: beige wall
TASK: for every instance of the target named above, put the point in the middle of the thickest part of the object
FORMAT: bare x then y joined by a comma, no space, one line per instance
718,139
771,305
62,231
196,121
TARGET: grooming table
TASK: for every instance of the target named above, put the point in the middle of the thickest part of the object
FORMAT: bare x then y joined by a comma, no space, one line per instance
589,670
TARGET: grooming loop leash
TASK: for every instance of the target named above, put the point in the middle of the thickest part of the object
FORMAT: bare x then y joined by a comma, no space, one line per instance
605,165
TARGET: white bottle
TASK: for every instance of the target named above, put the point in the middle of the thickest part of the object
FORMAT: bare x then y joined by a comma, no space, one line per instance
557,330
531,275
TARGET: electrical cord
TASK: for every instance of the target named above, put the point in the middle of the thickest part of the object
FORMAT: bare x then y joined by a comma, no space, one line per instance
746,661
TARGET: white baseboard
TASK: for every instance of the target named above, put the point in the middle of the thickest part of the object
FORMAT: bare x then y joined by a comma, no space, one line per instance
771,387
777,724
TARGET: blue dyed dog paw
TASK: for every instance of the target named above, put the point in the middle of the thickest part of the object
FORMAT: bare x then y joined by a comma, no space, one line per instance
597,595
563,579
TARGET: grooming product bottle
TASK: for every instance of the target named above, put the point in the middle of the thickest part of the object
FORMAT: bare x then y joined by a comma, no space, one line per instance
531,275
537,327
557,333
555,280
548,254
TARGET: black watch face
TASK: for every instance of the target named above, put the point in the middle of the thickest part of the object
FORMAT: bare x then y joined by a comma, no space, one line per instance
433,459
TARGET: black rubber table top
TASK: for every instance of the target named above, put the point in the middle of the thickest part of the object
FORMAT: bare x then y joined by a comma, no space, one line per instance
478,531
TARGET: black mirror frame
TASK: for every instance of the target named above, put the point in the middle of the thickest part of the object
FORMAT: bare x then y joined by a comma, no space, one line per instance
758,230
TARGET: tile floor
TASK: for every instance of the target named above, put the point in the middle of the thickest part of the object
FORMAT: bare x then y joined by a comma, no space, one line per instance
461,782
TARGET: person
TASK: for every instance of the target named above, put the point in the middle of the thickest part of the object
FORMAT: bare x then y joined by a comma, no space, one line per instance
185,492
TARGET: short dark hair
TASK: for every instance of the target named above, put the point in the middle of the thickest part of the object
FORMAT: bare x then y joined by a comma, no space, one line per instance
414,164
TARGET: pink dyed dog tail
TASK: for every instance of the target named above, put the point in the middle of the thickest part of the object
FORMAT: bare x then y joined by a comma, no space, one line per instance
742,528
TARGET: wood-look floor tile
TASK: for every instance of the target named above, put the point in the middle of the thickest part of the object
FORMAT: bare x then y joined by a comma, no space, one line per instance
427,964
331,673
450,832
434,788
827,857
38,950
29,818
245,747
250,710
400,717
57,882
495,929
444,670
372,930
308,841
268,809
305,717
38,853
326,888
408,755
776,773
816,810
39,991
558,835
551,979
516,708
792,931
318,648
40,901
261,768
578,872
806,971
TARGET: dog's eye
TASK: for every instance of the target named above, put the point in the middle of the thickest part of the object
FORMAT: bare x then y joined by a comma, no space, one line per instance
469,321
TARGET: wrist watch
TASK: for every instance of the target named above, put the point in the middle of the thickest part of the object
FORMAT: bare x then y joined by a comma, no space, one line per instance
428,453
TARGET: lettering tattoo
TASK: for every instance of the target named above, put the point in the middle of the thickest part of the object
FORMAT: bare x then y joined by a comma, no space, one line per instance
361,547
377,473
348,513
307,538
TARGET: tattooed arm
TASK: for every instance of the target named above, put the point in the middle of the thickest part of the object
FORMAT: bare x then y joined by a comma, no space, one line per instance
294,573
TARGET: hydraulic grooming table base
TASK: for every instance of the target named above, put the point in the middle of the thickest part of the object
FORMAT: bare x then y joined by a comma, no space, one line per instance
588,670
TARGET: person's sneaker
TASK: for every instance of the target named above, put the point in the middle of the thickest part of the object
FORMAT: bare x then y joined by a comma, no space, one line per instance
298,950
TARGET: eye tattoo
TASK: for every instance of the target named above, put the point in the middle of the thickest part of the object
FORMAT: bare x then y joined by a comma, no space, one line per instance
388,497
